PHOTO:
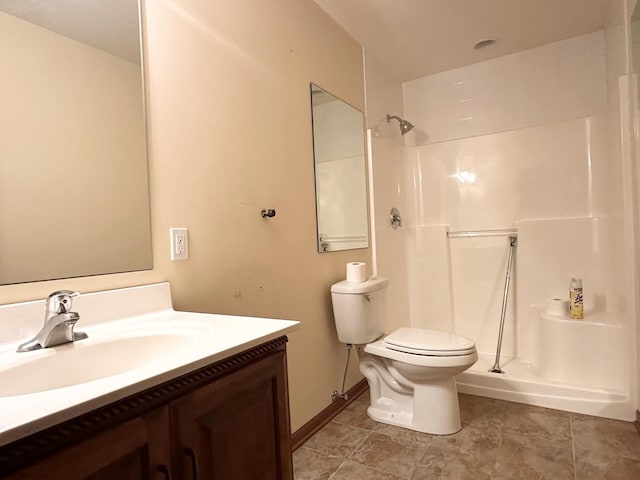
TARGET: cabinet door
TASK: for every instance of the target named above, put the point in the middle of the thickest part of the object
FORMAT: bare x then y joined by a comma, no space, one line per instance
237,427
135,450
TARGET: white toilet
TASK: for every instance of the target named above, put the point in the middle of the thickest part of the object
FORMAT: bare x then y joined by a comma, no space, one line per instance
410,371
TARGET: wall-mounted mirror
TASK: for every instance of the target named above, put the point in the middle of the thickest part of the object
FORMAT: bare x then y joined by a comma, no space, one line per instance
74,197
341,179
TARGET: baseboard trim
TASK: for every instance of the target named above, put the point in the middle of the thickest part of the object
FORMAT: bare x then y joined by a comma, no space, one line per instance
325,416
637,422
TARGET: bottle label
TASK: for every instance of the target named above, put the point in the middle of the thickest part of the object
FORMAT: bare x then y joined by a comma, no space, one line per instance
575,303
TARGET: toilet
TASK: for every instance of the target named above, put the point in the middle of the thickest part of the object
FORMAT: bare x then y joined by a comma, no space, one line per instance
410,371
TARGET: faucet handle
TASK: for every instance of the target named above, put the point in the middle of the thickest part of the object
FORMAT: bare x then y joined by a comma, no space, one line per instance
60,302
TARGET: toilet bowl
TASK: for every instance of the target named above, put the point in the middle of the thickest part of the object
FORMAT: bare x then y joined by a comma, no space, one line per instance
411,371
416,389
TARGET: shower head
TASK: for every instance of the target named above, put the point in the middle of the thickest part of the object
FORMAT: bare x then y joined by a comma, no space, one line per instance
404,125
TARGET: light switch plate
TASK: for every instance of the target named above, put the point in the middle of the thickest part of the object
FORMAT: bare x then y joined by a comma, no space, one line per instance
179,243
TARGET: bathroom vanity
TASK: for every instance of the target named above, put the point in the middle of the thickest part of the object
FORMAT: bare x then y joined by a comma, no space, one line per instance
203,397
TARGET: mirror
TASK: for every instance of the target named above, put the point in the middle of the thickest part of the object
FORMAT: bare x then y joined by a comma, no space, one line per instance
74,197
341,179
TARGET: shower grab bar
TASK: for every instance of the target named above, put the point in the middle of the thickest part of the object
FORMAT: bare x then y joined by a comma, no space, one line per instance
507,232
513,241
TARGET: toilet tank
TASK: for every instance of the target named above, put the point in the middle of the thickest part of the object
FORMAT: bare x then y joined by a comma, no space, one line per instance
359,309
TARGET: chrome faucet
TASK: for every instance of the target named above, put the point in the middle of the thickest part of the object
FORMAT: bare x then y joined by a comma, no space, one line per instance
58,323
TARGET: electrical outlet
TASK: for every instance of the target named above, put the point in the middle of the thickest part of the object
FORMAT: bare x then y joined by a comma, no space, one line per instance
179,243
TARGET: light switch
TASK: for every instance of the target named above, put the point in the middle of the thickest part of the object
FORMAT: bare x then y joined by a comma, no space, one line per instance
179,243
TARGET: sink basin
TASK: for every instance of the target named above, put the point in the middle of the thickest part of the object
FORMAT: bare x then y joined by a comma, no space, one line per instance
89,360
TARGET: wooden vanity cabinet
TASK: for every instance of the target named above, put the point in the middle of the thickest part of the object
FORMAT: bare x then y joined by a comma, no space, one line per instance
133,450
229,421
236,427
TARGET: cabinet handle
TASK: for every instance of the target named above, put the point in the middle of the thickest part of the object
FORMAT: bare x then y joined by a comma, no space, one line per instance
165,471
190,452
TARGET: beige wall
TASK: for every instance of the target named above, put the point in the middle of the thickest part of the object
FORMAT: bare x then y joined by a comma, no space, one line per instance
230,134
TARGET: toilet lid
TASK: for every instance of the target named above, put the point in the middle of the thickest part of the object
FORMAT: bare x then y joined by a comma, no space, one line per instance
428,342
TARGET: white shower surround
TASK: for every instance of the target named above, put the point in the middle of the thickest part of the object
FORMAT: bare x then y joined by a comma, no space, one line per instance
553,169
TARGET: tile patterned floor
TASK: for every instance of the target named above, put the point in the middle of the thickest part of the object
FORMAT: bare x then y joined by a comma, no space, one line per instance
499,440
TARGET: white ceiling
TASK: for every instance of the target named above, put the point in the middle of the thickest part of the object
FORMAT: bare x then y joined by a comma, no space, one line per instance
110,25
414,38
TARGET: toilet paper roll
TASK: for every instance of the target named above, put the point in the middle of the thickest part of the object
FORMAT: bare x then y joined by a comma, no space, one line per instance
557,307
356,272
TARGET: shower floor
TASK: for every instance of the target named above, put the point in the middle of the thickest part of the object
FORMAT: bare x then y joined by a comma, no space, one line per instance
520,384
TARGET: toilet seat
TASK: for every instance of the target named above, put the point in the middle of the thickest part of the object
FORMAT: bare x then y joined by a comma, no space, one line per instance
418,341
380,349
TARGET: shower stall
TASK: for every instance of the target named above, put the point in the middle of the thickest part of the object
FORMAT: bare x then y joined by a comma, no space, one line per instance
537,144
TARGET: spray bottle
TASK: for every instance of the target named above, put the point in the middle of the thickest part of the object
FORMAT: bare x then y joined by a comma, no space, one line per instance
575,299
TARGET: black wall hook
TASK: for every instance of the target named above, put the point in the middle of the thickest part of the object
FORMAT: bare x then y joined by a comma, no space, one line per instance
268,213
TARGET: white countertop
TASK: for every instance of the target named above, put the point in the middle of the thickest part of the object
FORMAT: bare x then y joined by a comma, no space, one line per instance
130,353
